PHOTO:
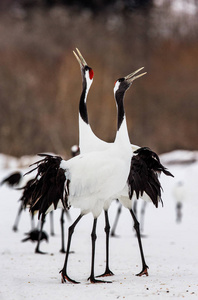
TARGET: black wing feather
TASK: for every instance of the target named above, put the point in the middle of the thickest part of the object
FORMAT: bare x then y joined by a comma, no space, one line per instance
143,176
47,187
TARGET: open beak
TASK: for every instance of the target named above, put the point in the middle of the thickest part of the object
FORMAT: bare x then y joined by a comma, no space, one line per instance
80,58
131,77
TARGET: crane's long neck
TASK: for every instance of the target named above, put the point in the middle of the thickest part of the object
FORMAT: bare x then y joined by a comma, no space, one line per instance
85,132
122,131
82,104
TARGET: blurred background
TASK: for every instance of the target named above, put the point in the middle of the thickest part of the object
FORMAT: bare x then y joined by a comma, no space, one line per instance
40,79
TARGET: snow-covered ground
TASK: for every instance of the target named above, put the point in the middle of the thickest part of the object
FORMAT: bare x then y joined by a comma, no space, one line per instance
171,249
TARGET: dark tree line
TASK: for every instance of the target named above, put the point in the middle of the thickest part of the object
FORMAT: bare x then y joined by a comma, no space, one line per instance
94,5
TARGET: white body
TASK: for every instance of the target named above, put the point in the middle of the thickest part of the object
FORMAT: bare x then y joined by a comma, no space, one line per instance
103,168
90,143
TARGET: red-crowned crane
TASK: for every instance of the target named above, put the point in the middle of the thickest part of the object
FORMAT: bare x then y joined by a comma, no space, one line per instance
87,180
145,162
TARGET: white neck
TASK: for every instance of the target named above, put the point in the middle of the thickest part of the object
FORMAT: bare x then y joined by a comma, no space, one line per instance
122,135
89,83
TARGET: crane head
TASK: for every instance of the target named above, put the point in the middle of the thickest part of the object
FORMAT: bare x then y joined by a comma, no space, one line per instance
85,69
125,82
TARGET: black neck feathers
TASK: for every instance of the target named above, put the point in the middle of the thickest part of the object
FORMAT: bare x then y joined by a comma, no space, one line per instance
82,104
120,105
119,96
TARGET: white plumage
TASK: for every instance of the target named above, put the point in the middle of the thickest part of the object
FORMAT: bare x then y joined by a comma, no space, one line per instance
103,170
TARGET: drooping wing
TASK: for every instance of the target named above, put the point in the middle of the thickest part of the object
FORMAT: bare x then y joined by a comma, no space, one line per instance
47,188
143,176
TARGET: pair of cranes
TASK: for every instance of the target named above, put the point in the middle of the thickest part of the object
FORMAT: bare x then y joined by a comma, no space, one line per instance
101,173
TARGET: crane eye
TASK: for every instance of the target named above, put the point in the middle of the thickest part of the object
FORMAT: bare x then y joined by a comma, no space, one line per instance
91,73
119,80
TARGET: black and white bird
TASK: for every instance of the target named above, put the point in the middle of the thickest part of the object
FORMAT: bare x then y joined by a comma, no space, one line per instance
76,181
145,164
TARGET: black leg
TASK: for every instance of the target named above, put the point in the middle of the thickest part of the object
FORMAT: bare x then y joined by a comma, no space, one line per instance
116,220
137,229
63,272
32,222
62,221
93,239
16,223
107,231
179,212
37,250
52,223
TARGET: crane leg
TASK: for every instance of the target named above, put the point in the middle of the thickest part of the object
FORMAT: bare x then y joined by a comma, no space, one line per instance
116,220
142,214
16,223
63,272
135,207
68,214
52,223
37,250
32,222
179,212
107,272
137,229
62,221
93,238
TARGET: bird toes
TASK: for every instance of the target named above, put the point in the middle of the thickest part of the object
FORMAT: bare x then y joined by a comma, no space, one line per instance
106,274
65,278
143,272
94,280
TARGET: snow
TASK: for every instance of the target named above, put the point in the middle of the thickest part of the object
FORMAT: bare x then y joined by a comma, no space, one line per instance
170,248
